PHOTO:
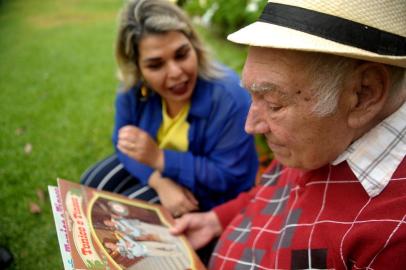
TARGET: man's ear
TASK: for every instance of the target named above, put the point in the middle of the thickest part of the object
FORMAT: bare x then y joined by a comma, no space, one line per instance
369,92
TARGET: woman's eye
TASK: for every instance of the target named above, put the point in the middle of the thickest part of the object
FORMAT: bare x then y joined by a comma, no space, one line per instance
182,54
154,66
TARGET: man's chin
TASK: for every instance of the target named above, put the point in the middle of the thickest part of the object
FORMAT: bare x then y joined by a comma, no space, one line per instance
284,160
289,161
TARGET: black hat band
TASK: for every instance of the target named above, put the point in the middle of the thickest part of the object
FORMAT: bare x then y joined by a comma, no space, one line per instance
335,29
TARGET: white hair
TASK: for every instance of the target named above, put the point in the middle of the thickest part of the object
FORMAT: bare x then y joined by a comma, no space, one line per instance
329,72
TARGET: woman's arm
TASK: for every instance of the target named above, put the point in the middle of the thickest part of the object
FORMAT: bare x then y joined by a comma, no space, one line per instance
127,112
226,162
176,198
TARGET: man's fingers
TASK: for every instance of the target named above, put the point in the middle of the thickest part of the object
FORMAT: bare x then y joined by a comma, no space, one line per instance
197,243
181,224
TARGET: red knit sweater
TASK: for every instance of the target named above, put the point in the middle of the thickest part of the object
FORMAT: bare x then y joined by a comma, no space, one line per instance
322,219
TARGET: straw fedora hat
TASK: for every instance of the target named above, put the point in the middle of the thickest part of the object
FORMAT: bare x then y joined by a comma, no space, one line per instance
373,30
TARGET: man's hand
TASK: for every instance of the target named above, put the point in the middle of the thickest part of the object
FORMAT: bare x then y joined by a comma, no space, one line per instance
199,228
137,144
178,199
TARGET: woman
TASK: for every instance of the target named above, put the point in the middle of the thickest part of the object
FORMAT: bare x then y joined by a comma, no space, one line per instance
179,125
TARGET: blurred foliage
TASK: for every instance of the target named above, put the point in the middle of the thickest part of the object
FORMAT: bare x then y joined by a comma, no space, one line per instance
226,15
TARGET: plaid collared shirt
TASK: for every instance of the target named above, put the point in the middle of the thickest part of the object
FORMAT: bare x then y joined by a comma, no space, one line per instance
375,156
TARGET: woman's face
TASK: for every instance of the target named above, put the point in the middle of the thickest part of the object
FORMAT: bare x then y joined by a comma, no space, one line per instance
168,63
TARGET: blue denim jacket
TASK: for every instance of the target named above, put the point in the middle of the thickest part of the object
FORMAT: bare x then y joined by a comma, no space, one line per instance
221,160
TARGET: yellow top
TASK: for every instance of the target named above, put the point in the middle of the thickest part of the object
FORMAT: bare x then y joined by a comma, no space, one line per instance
173,133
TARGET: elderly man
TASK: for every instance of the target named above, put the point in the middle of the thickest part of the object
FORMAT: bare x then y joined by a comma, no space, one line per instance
327,80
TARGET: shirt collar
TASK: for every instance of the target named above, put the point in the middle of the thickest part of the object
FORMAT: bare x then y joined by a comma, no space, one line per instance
375,156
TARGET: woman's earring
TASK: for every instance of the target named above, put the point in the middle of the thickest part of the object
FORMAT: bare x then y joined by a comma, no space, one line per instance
144,90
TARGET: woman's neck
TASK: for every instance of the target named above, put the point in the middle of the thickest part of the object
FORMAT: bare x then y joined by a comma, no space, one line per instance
173,108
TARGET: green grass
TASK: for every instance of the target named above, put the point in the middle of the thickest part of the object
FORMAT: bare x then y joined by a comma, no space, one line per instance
57,87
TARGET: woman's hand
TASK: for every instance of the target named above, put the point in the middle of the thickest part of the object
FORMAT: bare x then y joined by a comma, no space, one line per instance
199,228
137,144
178,199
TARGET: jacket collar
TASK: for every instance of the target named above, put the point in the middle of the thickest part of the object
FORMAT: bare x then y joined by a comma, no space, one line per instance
201,99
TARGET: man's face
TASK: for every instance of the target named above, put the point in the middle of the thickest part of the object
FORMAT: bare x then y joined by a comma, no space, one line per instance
281,109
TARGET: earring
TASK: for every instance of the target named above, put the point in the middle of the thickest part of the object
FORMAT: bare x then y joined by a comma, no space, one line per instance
144,90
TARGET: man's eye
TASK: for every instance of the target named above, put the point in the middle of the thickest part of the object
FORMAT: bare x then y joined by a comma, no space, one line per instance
274,108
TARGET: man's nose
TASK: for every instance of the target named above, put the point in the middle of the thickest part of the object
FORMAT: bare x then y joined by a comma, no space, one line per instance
256,123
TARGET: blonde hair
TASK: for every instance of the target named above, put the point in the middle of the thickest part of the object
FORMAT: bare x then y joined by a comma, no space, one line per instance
144,17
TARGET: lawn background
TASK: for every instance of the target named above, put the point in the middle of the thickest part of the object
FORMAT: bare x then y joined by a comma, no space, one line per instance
57,87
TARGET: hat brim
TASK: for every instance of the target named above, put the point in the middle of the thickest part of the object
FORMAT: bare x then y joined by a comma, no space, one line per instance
263,34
